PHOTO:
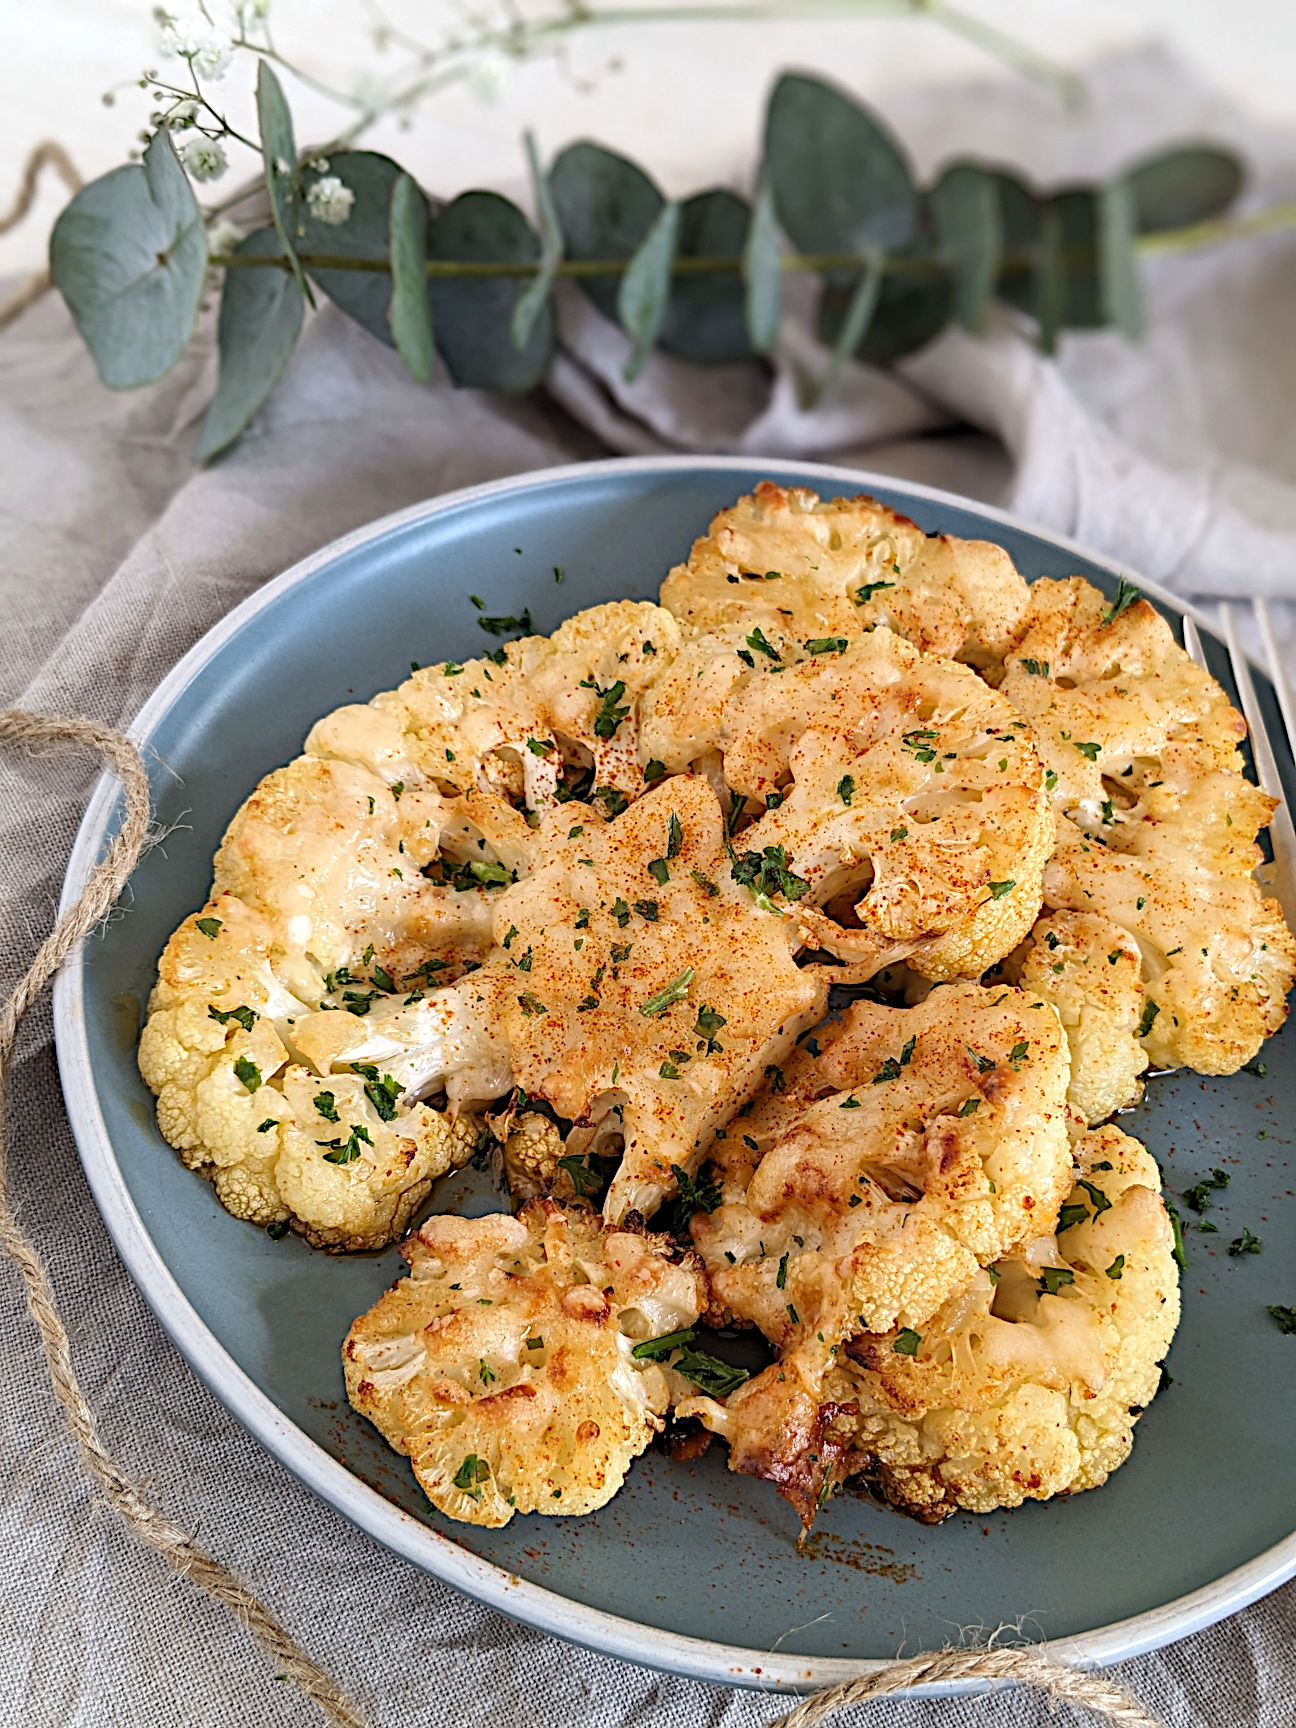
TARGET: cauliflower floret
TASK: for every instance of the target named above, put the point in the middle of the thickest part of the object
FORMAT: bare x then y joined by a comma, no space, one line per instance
1110,696
1089,969
352,1169
915,815
641,989
503,1366
593,677
347,1159
896,1152
332,855
216,987
1028,1383
1217,959
531,1153
512,725
806,568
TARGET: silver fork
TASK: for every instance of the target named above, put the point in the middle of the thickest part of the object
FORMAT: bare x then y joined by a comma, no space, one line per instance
1279,877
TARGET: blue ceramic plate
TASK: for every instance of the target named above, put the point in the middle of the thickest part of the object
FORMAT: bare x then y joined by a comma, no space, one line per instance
689,1569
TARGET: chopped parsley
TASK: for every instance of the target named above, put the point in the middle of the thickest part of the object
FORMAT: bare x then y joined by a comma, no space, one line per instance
609,715
705,883
668,995
827,645
1126,595
248,1073
382,1093
906,1341
700,1193
846,789
780,1279
1052,1279
999,889
656,770
1116,1268
540,746
326,1104
655,1349
1150,1011
717,1379
1074,1213
1199,1196
621,912
674,836
502,625
1284,1318
709,1022
1246,1243
530,1004
1090,750
1036,668
899,833
659,870
647,909
584,1178
890,1069
865,594
1097,1199
969,1107
474,1470
210,927
246,1017
757,641
267,1125
765,874
348,1150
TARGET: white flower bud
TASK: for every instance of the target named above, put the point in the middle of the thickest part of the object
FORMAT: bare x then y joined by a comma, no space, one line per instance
222,238
204,158
330,201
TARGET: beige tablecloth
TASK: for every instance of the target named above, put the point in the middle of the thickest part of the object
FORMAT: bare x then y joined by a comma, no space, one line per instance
1178,457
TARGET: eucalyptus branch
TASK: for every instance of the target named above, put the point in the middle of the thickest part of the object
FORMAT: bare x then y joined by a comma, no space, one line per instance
467,285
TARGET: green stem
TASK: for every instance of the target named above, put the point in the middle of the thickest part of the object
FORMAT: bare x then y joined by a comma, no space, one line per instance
1199,234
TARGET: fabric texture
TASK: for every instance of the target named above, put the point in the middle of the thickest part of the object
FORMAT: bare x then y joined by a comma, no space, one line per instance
1178,457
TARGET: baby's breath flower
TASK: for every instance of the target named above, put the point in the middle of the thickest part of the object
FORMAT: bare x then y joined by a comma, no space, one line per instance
204,158
371,92
206,49
486,76
222,238
330,201
182,115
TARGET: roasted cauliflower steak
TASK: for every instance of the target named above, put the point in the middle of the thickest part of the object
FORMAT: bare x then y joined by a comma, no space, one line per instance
808,567
1029,1382
503,1365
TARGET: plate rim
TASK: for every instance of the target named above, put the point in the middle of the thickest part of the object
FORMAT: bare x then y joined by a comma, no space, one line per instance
399,1531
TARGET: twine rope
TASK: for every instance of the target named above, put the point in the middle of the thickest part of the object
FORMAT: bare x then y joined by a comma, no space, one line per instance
49,154
1057,1681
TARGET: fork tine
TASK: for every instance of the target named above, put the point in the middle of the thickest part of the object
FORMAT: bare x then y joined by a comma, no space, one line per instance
1192,644
1277,671
1278,878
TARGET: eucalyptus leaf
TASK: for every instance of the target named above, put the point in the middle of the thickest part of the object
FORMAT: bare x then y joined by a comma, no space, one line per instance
606,205
965,207
839,181
914,305
705,321
538,291
1181,187
1082,295
364,295
129,255
411,309
473,316
762,275
527,308
1121,287
280,152
645,287
859,314
260,321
